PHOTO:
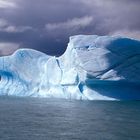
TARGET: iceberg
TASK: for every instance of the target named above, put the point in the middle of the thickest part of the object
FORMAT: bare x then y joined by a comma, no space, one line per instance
92,68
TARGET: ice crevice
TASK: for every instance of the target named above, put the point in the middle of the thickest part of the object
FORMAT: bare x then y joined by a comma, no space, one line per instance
92,68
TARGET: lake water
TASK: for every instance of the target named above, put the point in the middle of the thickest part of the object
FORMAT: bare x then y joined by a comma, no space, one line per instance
54,119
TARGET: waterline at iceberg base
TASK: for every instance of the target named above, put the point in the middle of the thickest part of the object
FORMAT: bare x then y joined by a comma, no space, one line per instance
93,68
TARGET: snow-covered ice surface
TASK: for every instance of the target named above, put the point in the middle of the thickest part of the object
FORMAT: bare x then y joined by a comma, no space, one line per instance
93,68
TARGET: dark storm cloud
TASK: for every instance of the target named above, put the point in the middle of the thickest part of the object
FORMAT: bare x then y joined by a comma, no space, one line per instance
46,25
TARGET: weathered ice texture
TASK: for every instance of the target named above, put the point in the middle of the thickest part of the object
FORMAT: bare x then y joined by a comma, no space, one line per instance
93,67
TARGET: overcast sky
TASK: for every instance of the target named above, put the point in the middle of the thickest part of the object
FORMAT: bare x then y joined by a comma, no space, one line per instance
46,25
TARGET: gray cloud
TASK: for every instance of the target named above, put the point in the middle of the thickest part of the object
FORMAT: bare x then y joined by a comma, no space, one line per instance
8,48
7,4
128,33
75,23
47,24
6,27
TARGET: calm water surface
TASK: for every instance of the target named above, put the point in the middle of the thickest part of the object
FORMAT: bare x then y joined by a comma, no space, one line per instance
51,119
